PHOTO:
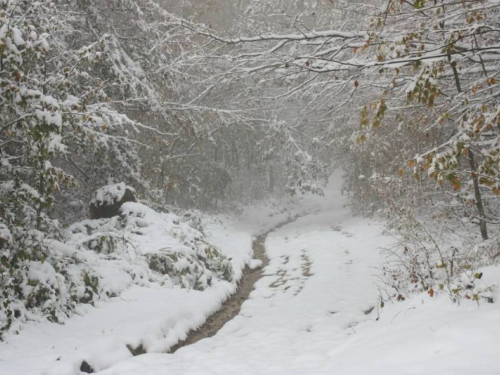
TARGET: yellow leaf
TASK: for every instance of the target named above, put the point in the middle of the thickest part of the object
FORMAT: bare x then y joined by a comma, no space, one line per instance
456,185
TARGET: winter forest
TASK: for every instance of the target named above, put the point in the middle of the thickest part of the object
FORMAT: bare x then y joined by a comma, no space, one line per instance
262,187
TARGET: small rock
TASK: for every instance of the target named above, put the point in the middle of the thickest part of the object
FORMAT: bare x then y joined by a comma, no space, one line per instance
85,367
136,351
108,200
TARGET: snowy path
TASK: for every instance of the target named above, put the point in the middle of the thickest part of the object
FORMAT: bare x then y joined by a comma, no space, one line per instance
312,314
316,289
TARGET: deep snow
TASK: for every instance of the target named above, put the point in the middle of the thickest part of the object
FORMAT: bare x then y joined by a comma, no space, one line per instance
314,312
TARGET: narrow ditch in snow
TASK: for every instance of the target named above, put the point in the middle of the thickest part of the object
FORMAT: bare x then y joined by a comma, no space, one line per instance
231,308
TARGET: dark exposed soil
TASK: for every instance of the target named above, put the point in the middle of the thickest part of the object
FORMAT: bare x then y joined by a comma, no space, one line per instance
232,306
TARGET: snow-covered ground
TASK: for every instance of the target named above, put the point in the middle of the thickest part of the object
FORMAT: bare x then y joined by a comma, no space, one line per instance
314,312
150,315
154,316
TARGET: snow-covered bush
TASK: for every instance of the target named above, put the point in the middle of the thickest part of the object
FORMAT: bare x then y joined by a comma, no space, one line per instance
193,219
191,271
171,246
98,259
186,259
48,284
435,261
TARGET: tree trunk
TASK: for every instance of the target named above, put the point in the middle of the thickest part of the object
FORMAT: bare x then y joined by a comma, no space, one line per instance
473,167
271,178
477,193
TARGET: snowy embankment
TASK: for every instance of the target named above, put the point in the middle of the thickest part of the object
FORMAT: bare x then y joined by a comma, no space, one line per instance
154,313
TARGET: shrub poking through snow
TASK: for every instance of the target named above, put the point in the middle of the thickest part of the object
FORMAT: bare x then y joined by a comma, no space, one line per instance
46,283
97,259
215,261
431,262
192,271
